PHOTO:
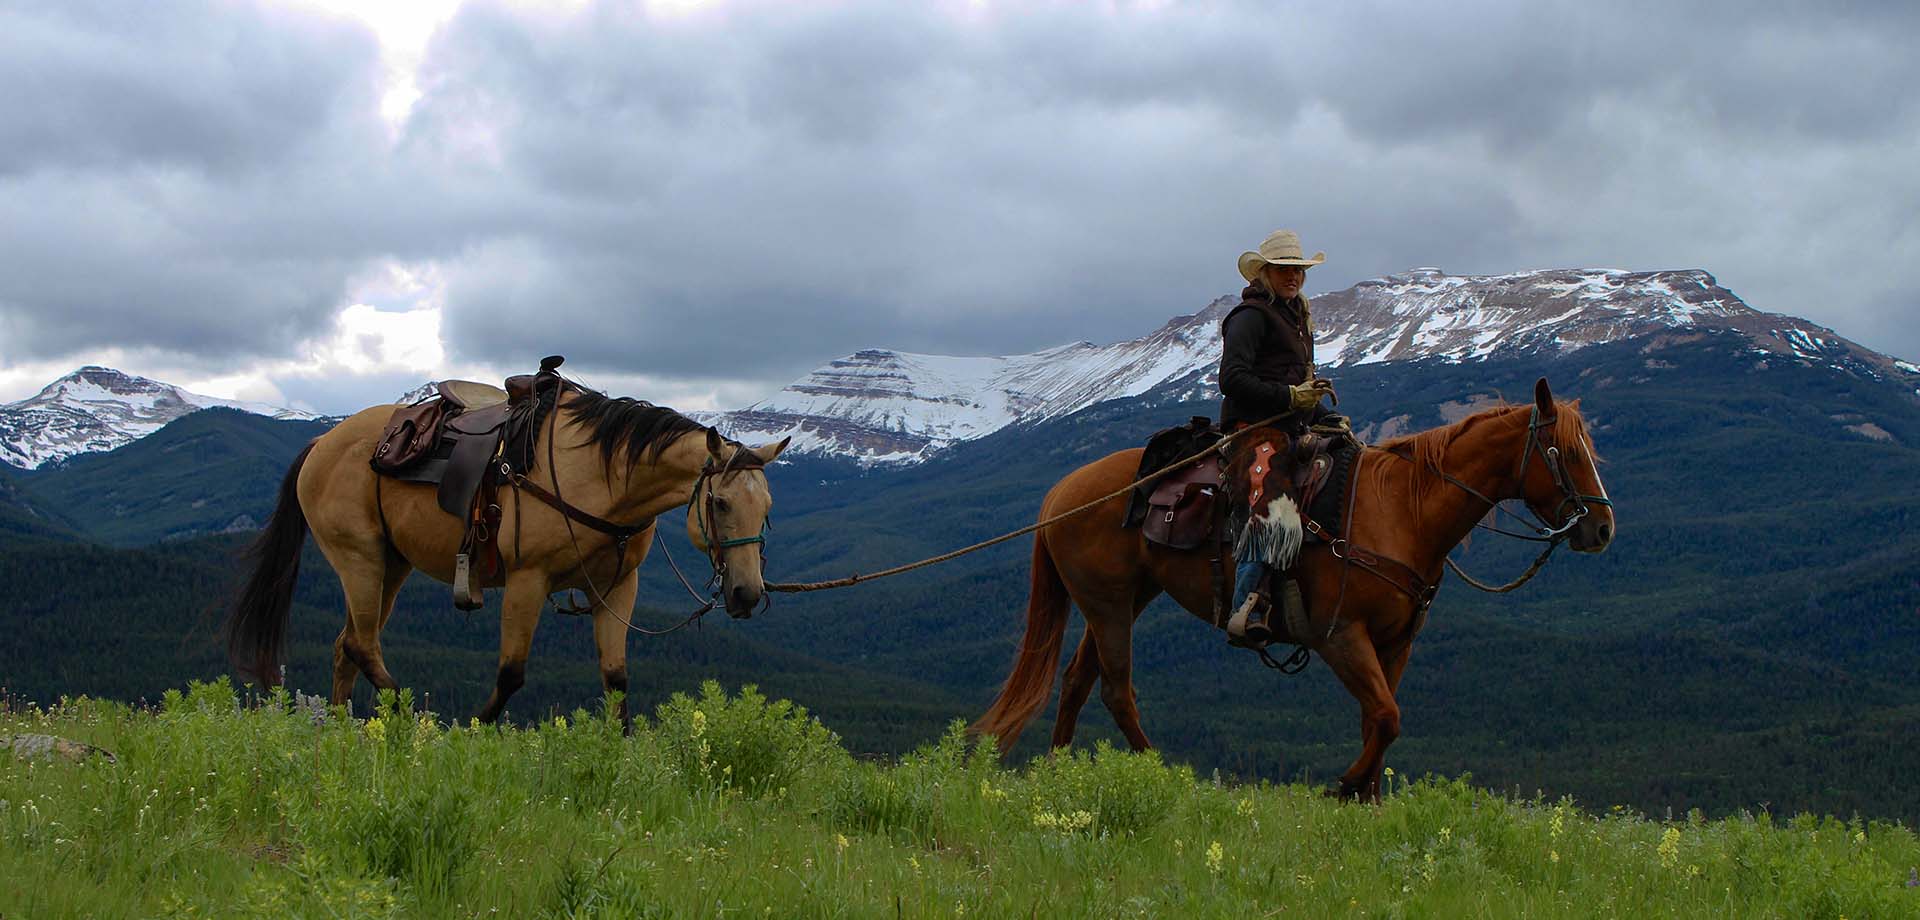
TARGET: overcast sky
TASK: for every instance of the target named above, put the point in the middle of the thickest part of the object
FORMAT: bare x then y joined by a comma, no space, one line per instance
324,203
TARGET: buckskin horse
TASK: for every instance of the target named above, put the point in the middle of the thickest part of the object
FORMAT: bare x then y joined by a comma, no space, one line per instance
617,463
1367,592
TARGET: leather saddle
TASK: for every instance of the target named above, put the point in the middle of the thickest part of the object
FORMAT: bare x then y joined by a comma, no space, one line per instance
1193,508
467,440
1177,509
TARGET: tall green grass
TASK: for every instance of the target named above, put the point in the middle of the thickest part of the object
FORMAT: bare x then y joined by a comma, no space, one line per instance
732,805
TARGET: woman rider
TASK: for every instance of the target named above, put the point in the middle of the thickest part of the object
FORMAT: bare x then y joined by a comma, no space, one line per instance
1266,369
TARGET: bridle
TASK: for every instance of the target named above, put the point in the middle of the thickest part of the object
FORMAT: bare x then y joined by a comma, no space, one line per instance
1574,505
716,549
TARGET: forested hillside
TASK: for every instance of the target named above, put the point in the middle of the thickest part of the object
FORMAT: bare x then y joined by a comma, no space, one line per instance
213,471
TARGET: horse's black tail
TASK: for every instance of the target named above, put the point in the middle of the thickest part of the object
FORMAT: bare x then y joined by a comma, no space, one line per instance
256,627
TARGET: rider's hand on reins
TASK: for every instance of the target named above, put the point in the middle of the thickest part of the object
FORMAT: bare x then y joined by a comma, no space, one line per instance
1308,395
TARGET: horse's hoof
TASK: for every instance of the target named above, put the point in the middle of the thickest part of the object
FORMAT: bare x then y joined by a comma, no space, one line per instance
1343,792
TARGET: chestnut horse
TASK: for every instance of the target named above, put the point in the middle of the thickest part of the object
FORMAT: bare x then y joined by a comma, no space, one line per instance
619,459
1415,498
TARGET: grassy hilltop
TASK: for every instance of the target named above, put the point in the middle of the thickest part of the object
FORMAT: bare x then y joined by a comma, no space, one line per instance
735,806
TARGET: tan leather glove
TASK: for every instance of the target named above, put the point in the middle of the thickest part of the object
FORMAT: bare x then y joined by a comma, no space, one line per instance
1307,395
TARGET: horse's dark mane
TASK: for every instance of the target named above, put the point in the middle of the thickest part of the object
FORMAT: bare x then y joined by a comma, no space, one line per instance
621,423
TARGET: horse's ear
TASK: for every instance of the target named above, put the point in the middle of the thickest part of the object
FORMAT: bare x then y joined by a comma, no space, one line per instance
716,444
766,452
1543,398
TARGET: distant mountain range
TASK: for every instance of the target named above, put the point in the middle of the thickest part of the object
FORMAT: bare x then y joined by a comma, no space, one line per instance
878,407
886,407
98,409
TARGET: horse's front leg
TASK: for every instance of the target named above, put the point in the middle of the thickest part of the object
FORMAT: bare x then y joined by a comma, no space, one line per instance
610,618
1351,656
526,594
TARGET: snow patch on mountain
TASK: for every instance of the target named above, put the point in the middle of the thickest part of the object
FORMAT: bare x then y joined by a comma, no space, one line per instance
98,409
885,407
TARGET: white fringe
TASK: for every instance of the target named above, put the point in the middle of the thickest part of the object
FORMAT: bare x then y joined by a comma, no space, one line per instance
1275,538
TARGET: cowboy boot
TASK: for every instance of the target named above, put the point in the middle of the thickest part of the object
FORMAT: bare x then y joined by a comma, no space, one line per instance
1248,626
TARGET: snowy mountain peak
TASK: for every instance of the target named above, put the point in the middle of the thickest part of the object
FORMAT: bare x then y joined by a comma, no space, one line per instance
878,406
98,408
1426,313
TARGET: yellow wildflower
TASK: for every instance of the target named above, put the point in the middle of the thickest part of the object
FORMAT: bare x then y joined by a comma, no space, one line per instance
1670,847
1216,857
376,729
840,840
1553,855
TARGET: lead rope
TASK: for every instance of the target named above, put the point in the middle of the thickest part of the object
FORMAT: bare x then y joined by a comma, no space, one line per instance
790,588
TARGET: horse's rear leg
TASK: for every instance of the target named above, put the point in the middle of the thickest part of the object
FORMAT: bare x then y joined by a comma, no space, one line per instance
519,613
1112,629
1352,658
370,599
1081,673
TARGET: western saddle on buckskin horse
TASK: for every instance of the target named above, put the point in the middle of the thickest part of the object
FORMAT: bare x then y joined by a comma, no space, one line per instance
1193,507
469,439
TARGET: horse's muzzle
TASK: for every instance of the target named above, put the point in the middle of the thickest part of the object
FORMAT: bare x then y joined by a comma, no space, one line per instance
741,601
1592,535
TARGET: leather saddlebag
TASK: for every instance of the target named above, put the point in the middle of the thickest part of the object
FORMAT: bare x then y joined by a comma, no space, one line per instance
1180,510
410,435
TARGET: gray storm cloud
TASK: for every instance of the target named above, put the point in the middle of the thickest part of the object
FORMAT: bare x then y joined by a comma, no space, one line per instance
744,192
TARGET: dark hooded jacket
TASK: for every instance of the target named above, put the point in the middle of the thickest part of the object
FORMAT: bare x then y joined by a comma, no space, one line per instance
1266,348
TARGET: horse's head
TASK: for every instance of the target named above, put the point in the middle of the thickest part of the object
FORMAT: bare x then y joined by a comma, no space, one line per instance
1559,479
727,517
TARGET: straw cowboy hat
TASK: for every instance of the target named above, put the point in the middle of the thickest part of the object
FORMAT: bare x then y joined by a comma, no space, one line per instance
1281,248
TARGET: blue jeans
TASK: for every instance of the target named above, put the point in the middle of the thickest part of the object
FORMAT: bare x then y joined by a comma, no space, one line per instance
1245,577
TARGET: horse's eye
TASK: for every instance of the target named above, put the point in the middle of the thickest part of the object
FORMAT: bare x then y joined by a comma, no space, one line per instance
721,504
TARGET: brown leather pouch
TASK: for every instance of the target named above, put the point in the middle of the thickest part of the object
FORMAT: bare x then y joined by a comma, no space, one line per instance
1180,510
409,436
